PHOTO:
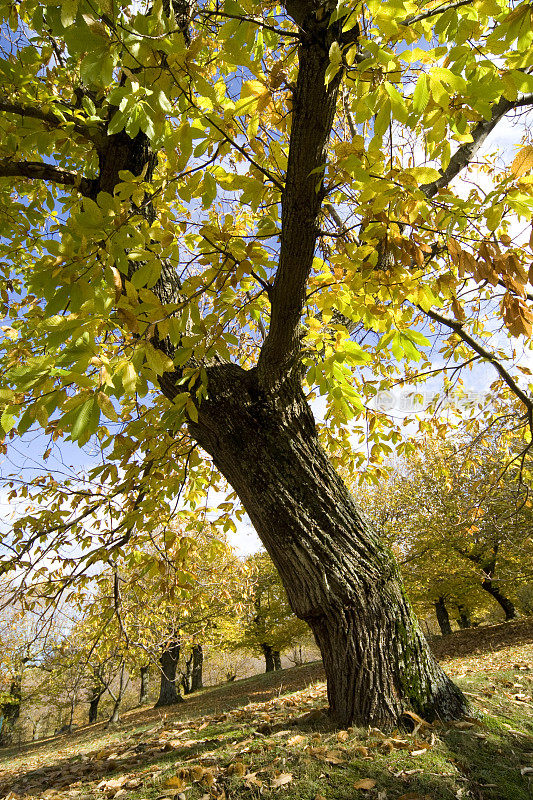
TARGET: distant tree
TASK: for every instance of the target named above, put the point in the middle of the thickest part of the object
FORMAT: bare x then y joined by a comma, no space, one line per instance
459,515
268,626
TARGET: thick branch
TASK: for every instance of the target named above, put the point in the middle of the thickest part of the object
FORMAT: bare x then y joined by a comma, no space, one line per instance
314,106
37,170
55,119
457,328
464,155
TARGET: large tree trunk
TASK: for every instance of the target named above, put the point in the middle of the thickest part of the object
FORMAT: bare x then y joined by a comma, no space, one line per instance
442,616
10,711
197,679
143,692
94,699
507,605
93,708
269,658
168,692
276,655
338,575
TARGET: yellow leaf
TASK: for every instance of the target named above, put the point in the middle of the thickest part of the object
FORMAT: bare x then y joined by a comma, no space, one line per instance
281,780
335,757
238,768
106,406
175,783
293,740
523,161
365,783
117,283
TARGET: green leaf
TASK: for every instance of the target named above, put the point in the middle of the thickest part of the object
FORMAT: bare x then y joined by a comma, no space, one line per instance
85,420
7,421
69,11
421,95
107,407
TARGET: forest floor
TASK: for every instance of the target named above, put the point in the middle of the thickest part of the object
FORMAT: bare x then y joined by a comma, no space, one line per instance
269,737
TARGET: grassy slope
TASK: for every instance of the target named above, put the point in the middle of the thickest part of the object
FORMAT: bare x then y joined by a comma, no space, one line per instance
268,736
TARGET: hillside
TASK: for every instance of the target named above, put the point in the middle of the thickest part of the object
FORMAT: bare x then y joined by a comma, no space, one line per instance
269,736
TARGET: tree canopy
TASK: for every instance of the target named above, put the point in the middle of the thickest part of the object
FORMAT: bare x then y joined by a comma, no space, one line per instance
214,213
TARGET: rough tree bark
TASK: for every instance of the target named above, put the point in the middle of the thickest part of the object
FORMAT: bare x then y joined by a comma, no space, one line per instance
442,616
338,575
168,691
276,655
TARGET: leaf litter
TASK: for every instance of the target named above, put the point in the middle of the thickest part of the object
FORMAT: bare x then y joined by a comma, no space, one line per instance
266,756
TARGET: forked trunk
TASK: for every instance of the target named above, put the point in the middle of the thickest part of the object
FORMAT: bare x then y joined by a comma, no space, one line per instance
443,617
168,690
338,575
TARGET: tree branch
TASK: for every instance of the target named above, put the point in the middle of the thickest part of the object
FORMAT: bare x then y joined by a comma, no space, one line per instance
434,11
312,120
37,170
56,120
464,155
457,328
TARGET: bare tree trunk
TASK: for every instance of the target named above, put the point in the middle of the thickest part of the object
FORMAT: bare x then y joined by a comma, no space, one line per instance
168,693
507,605
442,616
276,655
269,657
143,693
197,679
10,710
94,700
114,719
463,620
338,575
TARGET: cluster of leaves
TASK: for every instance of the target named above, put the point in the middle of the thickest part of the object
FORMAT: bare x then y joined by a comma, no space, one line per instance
458,513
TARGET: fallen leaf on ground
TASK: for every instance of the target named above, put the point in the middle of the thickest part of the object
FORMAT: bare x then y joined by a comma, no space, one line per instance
365,783
334,757
175,783
411,796
297,740
238,768
281,780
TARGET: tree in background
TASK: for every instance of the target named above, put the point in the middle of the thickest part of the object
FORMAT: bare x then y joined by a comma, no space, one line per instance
267,626
210,217
459,514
